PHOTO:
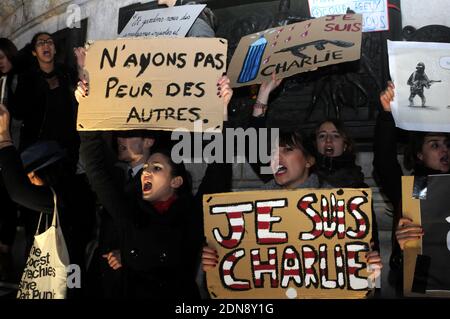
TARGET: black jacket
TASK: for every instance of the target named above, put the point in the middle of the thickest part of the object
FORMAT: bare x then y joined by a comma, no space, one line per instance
340,171
160,252
47,114
73,215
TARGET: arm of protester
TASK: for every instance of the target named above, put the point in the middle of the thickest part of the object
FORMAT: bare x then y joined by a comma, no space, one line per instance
210,258
5,136
267,87
80,54
407,231
217,178
113,258
225,92
385,162
387,96
19,187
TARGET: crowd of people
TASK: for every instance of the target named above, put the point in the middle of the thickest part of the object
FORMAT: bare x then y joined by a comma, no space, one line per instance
124,192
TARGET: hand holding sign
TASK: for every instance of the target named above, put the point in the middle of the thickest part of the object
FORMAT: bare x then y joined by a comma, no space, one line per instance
5,137
407,231
387,96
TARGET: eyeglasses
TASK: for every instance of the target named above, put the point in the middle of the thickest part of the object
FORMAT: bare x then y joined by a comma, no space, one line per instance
41,43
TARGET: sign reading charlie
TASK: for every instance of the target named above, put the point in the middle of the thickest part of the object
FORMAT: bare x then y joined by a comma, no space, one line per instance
296,48
153,84
308,243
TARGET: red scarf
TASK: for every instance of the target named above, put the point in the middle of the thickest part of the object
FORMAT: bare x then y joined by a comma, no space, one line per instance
163,206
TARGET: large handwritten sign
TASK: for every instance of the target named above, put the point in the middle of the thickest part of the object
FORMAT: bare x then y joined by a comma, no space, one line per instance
307,243
153,84
374,12
296,48
167,22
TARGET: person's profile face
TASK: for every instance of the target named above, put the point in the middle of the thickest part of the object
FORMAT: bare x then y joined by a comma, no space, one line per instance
435,153
5,64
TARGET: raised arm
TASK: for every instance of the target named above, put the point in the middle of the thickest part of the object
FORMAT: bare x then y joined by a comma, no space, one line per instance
385,161
38,198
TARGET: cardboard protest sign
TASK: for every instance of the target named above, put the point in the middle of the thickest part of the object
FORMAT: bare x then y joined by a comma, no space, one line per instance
374,12
420,71
166,22
161,84
296,48
308,243
426,261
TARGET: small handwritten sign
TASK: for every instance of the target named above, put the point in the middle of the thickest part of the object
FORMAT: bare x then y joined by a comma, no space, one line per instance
374,12
161,84
168,22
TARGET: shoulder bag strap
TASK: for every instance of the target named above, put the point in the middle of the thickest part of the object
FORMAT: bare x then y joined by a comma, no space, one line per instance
55,219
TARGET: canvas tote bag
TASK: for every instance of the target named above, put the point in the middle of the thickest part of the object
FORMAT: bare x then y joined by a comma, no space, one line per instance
45,275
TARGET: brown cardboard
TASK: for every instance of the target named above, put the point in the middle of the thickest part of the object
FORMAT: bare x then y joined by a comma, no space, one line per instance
295,48
195,60
292,221
411,209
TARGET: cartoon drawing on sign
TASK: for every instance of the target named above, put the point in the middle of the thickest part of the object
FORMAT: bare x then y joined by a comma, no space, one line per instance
318,44
417,81
252,60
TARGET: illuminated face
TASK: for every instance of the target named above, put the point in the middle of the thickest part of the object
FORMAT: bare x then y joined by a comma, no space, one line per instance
44,50
158,184
35,180
133,150
290,167
5,64
329,141
435,153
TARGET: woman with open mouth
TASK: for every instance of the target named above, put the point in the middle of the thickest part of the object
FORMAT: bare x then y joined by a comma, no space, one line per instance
427,154
294,166
335,156
161,228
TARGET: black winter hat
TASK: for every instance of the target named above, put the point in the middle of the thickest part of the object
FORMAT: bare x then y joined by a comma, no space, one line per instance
41,154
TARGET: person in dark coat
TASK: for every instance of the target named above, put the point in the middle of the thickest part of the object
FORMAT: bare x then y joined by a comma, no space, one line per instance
427,154
161,231
105,273
8,216
45,102
29,179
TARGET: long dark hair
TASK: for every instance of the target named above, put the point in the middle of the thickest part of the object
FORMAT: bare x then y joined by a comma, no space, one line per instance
414,147
298,139
9,49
